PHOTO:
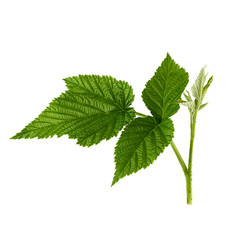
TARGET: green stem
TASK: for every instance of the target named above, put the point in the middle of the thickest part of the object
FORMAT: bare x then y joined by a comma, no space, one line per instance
189,178
186,170
180,159
189,189
141,115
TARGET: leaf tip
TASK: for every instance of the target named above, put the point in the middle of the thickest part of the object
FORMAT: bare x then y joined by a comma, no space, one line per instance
168,55
203,106
15,136
114,181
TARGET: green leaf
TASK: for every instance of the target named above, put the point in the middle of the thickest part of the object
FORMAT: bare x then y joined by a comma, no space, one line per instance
140,144
95,108
104,88
164,88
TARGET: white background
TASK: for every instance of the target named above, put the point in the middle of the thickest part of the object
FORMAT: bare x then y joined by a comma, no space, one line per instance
55,189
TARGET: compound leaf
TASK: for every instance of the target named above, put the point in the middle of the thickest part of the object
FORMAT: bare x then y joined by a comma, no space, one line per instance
140,144
165,88
95,108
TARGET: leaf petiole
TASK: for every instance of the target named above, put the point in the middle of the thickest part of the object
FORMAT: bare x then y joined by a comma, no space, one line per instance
180,159
141,114
186,170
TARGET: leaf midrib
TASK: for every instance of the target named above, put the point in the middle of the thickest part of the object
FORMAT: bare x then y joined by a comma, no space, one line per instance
64,122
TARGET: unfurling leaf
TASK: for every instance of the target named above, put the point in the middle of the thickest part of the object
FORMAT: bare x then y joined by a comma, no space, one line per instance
203,106
140,144
95,108
198,88
190,105
205,88
188,96
164,88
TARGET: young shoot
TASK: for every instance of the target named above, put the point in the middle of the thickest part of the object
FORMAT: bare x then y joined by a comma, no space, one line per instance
94,108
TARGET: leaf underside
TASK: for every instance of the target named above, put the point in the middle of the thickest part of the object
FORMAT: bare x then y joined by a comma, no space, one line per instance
197,87
199,90
94,108
140,144
165,88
